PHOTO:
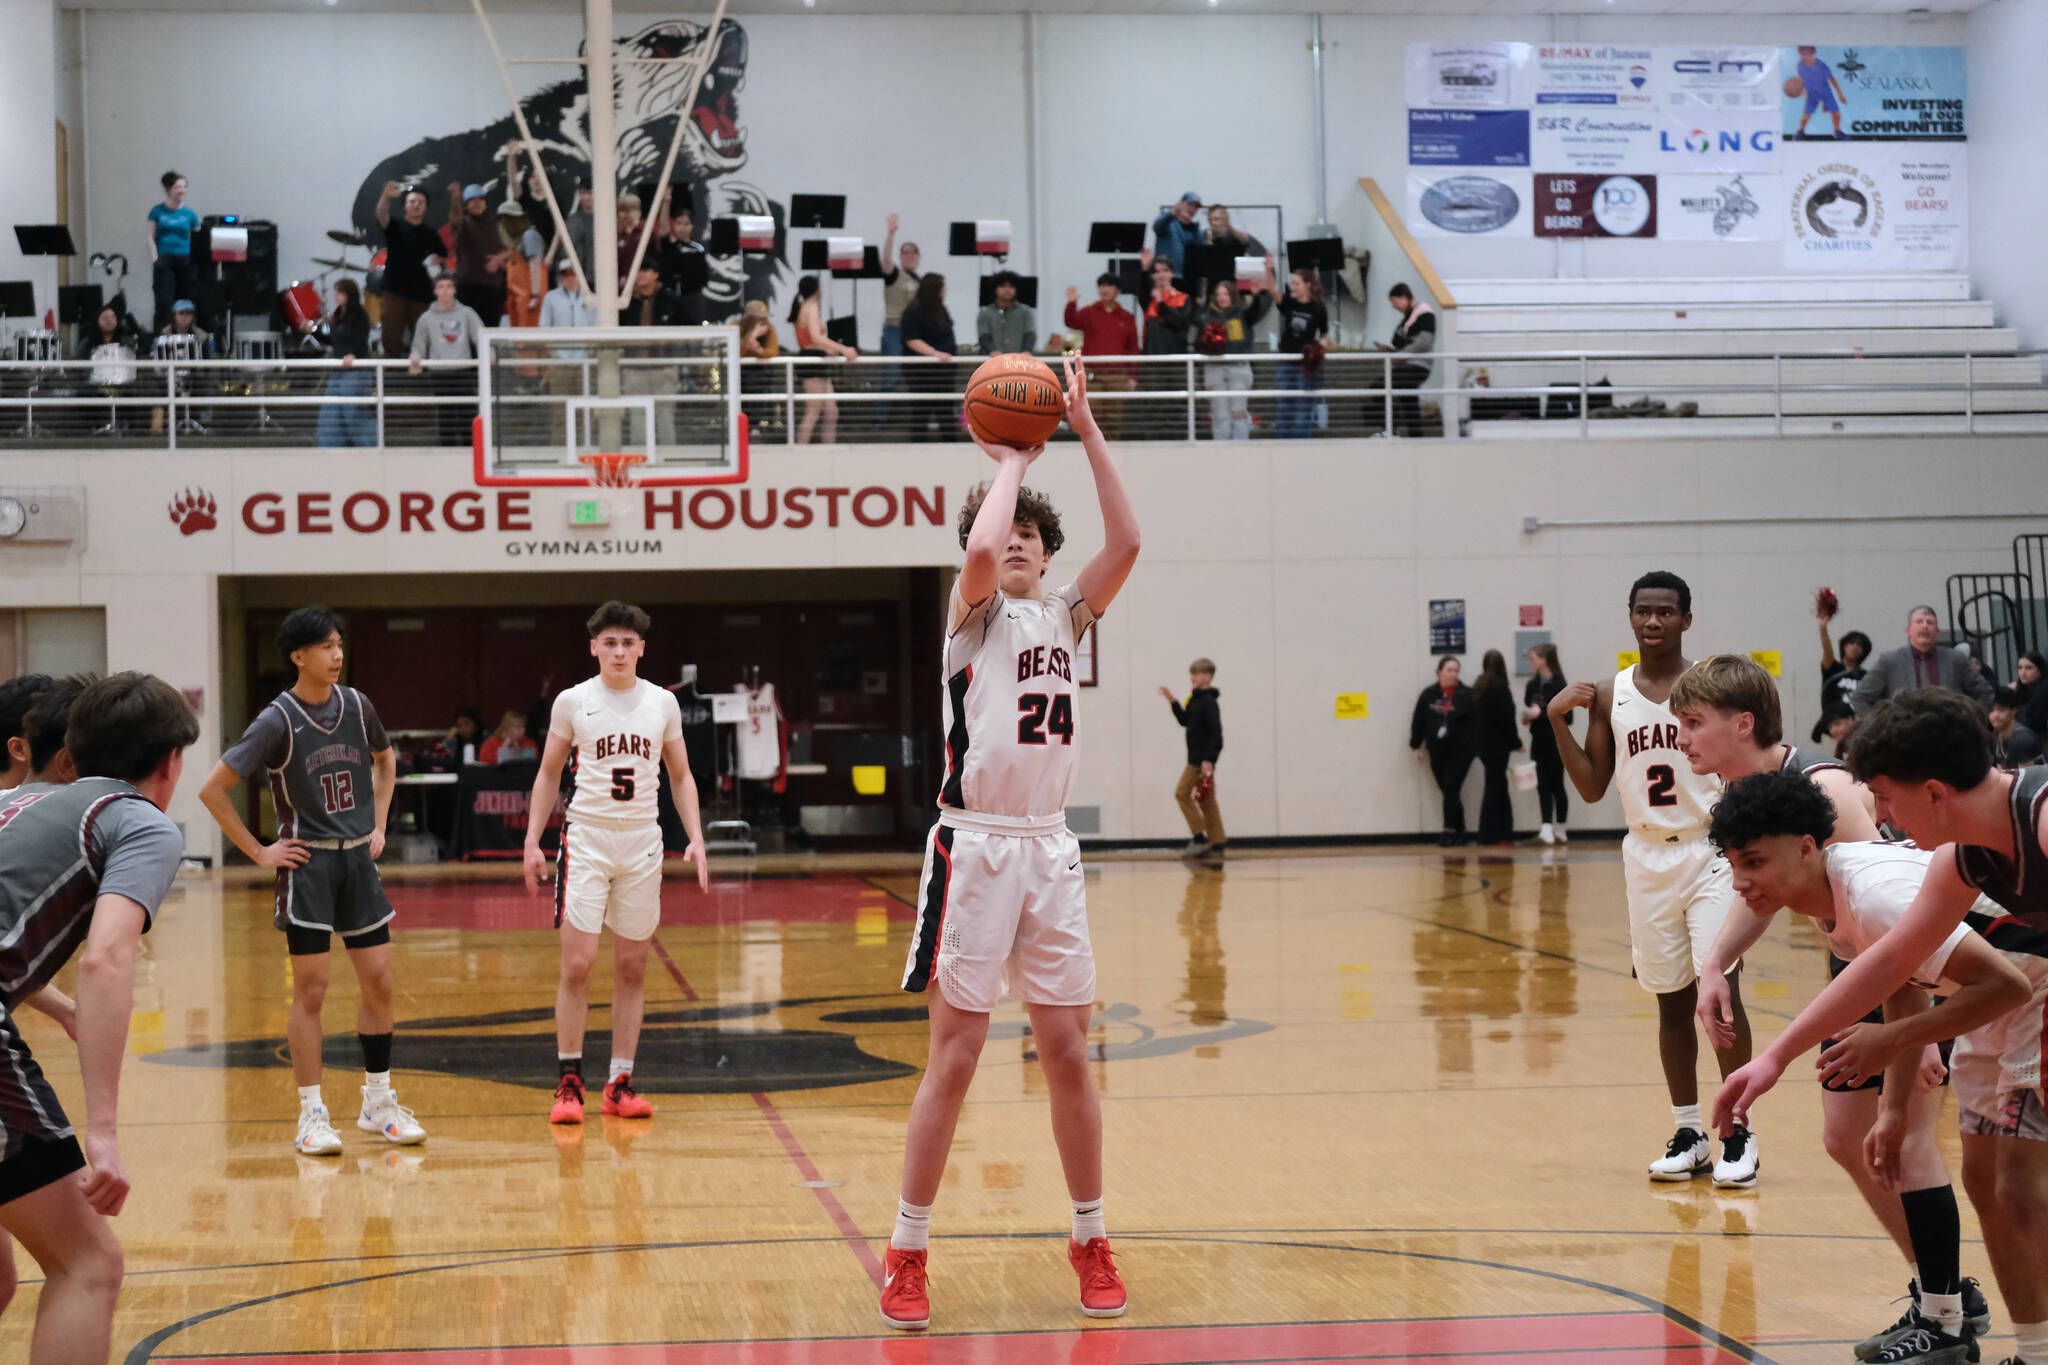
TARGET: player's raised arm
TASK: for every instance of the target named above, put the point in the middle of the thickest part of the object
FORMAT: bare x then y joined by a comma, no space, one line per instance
1102,578
106,995
547,785
992,524
1591,769
1863,985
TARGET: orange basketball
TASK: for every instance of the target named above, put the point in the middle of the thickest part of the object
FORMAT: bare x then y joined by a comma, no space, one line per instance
1015,400
1794,87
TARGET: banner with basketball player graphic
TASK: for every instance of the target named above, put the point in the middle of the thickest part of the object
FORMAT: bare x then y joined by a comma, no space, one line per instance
1864,207
1872,94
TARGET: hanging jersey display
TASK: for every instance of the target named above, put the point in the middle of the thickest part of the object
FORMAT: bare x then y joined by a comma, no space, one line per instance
762,748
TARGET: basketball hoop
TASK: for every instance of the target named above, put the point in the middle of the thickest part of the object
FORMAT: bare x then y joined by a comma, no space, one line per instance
613,469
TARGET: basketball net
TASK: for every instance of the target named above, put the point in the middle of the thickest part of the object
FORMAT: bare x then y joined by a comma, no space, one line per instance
613,469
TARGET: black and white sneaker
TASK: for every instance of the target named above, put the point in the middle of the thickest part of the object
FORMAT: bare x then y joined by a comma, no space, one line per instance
1926,1344
1196,847
1736,1170
1976,1309
1868,1348
1688,1154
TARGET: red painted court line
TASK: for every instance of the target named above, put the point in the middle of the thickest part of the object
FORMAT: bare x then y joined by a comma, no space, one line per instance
834,1210
1602,1339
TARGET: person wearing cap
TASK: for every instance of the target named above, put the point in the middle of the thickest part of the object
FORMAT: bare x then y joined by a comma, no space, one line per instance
1177,229
566,305
525,271
185,323
479,252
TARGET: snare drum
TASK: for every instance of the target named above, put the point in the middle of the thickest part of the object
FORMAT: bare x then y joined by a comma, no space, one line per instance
36,346
112,364
301,305
177,346
259,346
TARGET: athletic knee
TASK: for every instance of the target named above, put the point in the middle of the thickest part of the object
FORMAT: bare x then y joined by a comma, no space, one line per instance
309,995
1062,1053
1844,1146
576,970
630,972
2020,1201
96,1266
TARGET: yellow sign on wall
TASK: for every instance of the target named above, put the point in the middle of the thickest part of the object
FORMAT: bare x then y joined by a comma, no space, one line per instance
1768,660
1628,658
1351,706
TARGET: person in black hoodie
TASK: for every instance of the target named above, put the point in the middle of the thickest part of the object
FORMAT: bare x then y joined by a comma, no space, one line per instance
1441,731
1496,739
1546,683
1196,792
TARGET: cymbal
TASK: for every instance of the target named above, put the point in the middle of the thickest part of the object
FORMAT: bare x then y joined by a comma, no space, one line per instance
338,263
357,238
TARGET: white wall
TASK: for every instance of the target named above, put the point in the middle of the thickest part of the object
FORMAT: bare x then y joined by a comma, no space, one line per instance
28,165
2006,38
1303,568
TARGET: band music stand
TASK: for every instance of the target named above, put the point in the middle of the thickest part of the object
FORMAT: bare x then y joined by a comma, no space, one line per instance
1316,253
827,211
79,304
17,299
1116,239
44,239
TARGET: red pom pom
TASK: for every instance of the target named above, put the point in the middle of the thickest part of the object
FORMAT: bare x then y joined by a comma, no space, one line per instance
1826,604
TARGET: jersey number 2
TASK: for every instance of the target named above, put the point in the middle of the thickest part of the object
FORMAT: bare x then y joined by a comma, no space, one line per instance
1663,783
1039,715
622,784
338,792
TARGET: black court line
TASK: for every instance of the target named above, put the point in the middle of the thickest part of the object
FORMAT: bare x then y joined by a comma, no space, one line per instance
144,1350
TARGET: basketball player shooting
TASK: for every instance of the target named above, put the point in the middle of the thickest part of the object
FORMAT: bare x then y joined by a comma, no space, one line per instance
1678,886
1004,906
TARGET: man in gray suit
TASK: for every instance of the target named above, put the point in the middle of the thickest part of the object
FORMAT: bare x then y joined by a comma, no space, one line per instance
1922,663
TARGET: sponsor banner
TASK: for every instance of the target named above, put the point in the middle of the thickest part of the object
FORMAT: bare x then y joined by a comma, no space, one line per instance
1596,206
1468,137
1593,73
1723,79
1699,139
1873,94
1734,206
1469,204
1875,207
1467,75
1595,140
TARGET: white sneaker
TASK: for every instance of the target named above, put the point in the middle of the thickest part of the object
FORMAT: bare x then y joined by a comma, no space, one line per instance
382,1113
1546,835
1688,1154
316,1135
1736,1170
1559,832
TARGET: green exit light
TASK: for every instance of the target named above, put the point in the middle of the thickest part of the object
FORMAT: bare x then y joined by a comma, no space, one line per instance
589,512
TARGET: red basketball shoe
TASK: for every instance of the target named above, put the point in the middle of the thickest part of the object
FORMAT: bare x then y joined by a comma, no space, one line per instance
568,1101
1102,1289
622,1099
906,1305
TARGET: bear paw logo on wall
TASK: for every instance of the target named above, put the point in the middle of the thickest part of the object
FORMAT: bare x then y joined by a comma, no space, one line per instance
193,511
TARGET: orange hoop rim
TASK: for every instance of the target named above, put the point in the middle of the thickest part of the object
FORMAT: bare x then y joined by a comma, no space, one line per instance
612,468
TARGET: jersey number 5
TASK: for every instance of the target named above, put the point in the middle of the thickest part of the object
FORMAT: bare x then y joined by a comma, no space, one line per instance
622,784
1663,784
1039,715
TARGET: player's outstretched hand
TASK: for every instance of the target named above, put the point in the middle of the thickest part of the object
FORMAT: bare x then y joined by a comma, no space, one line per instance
535,864
1715,1010
695,854
1881,1145
106,1182
284,853
1860,1051
1080,416
999,453
1741,1090
1574,696
1167,693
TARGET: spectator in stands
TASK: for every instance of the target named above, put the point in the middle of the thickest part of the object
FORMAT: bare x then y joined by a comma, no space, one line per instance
758,342
650,305
568,303
1920,663
1536,697
1226,330
450,330
348,339
1106,328
185,323
1175,230
1006,325
479,252
900,274
1195,793
526,271
1839,676
410,249
1976,659
1304,322
1169,314
2032,691
681,260
1837,722
172,275
509,742
928,332
1222,233
2013,745
1414,336
631,225
1494,738
582,231
1440,733
464,735
808,322
111,344
529,192
110,328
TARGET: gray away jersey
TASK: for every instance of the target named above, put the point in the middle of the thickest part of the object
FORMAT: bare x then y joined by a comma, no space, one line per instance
62,847
2019,884
318,761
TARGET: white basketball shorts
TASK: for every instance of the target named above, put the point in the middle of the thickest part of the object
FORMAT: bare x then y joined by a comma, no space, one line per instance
1678,896
609,877
1003,912
1996,1069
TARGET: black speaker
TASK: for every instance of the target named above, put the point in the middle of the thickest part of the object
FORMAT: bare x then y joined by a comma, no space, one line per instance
240,287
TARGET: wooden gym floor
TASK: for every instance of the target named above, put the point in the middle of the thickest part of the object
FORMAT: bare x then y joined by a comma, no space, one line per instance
1374,1106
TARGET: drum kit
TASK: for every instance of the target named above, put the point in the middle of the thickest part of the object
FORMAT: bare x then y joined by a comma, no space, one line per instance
304,304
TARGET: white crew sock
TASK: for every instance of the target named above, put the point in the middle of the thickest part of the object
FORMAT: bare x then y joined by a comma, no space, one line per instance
309,1098
1946,1310
2032,1339
1688,1116
621,1066
913,1227
1087,1221
377,1083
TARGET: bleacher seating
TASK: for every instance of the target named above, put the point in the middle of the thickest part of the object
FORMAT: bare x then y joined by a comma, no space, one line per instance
1912,345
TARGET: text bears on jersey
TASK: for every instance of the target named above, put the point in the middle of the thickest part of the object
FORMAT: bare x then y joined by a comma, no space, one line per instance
1040,660
1645,737
633,746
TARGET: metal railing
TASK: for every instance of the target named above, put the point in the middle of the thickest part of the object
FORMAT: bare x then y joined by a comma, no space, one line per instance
889,399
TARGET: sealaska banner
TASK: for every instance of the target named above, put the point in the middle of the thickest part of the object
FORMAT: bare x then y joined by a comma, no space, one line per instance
1852,158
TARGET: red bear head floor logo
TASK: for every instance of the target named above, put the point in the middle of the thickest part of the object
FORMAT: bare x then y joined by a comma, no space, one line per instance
193,511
